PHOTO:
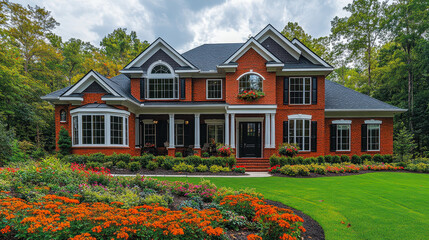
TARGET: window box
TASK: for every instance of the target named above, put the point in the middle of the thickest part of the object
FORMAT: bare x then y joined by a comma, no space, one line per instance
251,95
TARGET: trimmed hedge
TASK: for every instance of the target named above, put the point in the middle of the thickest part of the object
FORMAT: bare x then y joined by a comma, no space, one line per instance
355,159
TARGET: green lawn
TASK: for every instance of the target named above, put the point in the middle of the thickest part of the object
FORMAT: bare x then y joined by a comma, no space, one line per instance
382,205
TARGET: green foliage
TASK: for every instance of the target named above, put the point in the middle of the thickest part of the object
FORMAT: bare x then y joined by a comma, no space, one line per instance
178,154
366,157
183,167
152,165
345,158
17,154
295,170
64,142
336,159
202,168
356,159
121,164
216,169
134,166
377,158
143,160
404,144
168,164
93,165
97,157
328,158
205,154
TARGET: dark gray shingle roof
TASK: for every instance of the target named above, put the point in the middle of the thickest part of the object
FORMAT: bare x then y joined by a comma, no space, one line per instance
56,94
339,97
97,105
206,57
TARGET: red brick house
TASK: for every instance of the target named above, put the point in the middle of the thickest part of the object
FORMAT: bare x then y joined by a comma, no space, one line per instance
179,101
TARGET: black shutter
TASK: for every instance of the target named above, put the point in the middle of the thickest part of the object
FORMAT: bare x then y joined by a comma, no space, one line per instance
364,140
161,133
333,137
142,88
182,88
203,134
314,136
189,133
314,91
286,91
285,132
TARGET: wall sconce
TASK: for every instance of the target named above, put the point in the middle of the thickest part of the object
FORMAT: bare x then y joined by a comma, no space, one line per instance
186,122
155,121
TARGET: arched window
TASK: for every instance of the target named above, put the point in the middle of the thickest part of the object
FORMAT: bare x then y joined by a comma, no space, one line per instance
63,116
250,82
162,83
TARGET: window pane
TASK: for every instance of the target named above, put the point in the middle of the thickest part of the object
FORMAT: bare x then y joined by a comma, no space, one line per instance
219,133
149,133
160,69
250,82
299,133
179,134
163,88
75,130
86,129
343,137
116,128
373,137
300,90
211,132
214,89
98,129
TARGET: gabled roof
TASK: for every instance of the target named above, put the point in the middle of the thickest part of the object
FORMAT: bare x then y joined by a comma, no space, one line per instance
252,43
340,98
206,57
309,54
152,49
84,82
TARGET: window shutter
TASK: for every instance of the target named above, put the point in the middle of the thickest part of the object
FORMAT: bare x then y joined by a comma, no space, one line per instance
285,132
314,136
286,91
161,133
142,88
364,140
203,134
182,88
314,91
333,137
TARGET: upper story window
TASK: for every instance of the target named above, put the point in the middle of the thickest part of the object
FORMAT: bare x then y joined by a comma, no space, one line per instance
162,83
214,88
300,90
250,81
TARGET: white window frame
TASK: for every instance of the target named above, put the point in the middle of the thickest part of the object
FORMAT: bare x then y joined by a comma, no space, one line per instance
148,122
339,143
155,76
107,131
215,122
368,137
303,95
207,88
303,118
250,73
61,120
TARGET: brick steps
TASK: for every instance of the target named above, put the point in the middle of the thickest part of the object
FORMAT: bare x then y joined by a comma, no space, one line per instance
254,164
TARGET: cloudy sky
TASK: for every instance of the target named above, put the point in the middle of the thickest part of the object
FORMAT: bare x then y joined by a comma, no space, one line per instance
186,24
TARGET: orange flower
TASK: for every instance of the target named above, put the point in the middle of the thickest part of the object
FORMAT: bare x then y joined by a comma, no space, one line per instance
253,237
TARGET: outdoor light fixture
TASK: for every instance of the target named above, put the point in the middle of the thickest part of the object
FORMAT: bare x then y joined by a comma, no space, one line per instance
155,121
186,122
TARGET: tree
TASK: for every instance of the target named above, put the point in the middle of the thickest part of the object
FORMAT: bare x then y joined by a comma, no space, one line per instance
75,51
6,139
408,21
64,142
361,31
404,144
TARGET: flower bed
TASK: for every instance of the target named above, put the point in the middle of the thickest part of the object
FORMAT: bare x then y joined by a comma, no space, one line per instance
250,95
288,151
54,200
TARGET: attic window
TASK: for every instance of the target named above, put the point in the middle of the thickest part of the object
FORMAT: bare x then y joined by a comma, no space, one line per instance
160,69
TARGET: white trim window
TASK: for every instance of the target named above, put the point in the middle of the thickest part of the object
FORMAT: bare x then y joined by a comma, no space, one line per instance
149,133
300,90
214,89
373,133
215,131
63,116
299,133
180,134
93,129
75,132
116,130
343,137
250,81
161,82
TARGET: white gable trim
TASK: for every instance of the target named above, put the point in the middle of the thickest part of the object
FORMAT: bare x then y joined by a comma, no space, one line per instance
251,72
342,121
270,31
153,48
252,43
86,81
309,54
300,116
372,121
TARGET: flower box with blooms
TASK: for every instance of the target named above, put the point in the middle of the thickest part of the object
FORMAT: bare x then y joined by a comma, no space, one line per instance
149,145
224,150
239,169
250,95
288,150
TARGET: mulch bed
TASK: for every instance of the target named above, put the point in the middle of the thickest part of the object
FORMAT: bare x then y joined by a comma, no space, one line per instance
171,172
315,175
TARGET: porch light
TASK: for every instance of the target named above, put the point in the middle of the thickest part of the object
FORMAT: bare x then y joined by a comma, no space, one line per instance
186,122
155,121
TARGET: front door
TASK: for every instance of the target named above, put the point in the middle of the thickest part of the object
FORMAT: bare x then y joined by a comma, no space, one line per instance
250,139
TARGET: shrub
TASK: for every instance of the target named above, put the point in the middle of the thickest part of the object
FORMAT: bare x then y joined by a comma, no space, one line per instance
366,157
64,141
216,168
289,150
97,157
239,169
152,165
202,168
298,160
419,167
183,167
143,160
336,159
108,165
377,158
328,159
387,158
167,164
17,154
345,158
316,168
38,153
320,159
121,164
274,160
275,169
134,166
356,159
205,154
93,165
193,160
6,139
162,200
294,170
178,154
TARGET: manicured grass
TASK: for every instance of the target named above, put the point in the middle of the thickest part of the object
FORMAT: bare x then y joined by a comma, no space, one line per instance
382,205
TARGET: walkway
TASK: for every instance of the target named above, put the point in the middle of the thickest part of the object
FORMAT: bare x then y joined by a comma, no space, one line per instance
248,174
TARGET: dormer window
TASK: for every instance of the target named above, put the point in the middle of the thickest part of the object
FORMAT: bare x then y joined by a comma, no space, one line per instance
249,82
162,83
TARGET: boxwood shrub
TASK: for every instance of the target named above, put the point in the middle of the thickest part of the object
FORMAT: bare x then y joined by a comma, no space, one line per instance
345,158
377,158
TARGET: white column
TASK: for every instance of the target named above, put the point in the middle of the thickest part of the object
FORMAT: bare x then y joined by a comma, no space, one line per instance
267,131
232,130
197,131
273,130
171,137
227,128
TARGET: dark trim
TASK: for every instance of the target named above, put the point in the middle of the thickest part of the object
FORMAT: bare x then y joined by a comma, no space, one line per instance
364,138
314,90
314,136
285,132
142,88
333,138
286,91
182,88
